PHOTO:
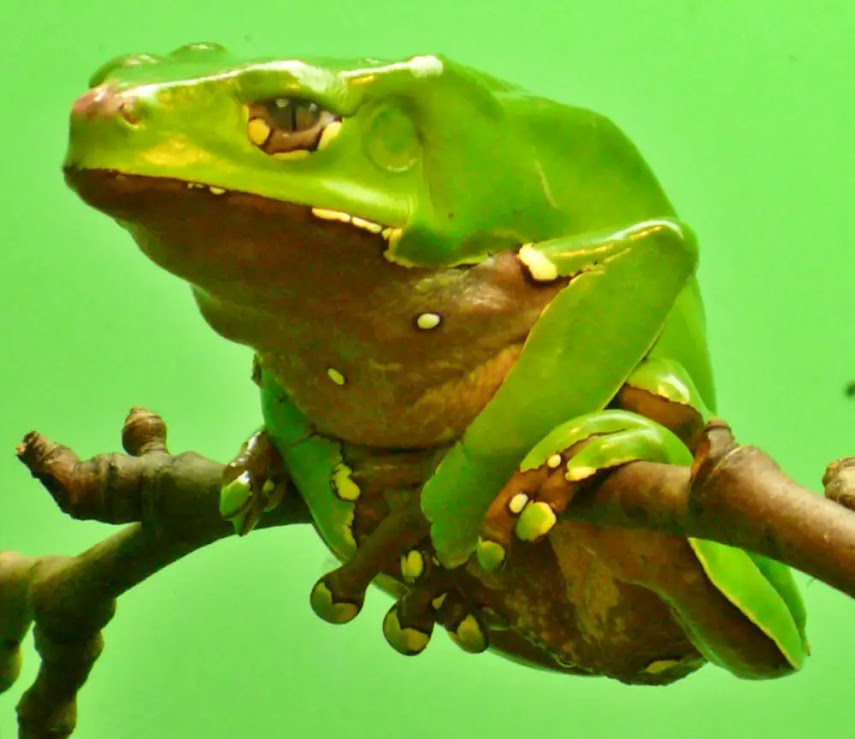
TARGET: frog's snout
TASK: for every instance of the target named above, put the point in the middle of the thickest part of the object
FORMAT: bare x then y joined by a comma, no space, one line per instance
106,102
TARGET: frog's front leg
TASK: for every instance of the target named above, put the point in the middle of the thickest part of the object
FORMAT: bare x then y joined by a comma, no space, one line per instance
619,289
578,449
658,415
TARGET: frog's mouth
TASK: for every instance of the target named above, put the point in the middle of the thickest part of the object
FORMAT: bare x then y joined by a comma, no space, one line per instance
226,241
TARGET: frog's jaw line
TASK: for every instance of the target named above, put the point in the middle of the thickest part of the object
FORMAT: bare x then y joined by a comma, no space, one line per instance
391,234
213,189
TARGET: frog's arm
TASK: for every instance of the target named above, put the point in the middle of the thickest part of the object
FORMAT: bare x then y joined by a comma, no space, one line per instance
622,286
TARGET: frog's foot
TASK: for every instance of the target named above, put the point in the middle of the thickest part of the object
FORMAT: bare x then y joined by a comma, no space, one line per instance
254,482
408,625
575,452
339,595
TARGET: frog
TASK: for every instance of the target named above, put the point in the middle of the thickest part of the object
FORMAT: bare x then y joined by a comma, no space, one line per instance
447,282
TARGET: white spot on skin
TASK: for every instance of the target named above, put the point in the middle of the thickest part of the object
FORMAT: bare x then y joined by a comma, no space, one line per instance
537,263
330,215
427,321
517,503
336,376
374,228
554,461
216,190
425,66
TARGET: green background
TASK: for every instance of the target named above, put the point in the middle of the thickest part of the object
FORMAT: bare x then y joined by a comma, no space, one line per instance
745,111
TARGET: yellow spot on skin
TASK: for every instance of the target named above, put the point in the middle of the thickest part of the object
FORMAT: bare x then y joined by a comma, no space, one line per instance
258,131
412,565
392,235
538,264
660,665
330,215
469,635
574,474
554,461
216,190
288,156
427,321
535,521
491,555
374,228
404,640
324,606
344,486
336,376
328,134
517,503
438,601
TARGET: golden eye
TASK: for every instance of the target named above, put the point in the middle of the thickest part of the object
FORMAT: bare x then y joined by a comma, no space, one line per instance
282,125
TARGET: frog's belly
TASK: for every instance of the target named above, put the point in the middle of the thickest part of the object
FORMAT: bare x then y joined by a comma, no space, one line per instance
389,405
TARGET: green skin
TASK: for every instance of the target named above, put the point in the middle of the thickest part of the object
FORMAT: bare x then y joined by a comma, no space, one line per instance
522,242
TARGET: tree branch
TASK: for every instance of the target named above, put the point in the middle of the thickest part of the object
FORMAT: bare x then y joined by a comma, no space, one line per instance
736,495
733,494
173,503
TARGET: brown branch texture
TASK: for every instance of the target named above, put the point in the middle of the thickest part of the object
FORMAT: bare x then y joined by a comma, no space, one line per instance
171,504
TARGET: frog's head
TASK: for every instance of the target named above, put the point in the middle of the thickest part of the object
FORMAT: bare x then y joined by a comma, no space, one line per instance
418,155
229,170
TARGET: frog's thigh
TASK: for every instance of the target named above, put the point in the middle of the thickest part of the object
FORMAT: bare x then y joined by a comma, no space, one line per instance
668,566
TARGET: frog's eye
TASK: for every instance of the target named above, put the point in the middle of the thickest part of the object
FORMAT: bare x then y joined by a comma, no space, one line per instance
285,125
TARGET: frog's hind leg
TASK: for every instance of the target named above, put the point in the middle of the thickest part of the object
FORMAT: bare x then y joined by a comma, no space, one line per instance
399,548
670,567
339,595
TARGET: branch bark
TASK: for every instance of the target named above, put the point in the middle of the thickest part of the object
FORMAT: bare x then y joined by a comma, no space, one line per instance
737,495
733,494
172,504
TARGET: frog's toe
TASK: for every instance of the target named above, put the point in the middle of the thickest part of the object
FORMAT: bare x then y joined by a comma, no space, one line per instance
464,621
408,625
254,482
469,634
491,554
535,521
335,599
236,503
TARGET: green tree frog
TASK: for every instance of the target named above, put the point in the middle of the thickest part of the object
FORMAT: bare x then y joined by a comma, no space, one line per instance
444,279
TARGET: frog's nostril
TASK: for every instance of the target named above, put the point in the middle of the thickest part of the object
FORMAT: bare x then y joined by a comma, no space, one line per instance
128,110
105,102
